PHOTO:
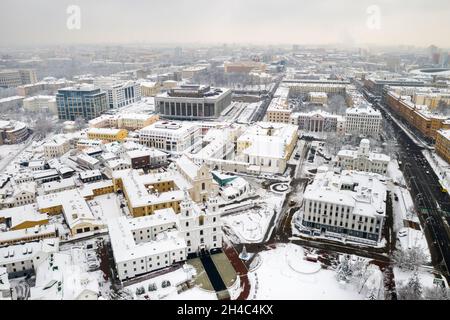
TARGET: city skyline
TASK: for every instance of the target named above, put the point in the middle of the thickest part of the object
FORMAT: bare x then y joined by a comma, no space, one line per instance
383,23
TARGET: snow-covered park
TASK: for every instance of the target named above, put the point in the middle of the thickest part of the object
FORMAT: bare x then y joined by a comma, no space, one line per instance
285,274
251,226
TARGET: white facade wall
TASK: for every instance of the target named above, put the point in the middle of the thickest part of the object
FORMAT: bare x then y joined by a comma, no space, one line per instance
201,231
365,121
176,141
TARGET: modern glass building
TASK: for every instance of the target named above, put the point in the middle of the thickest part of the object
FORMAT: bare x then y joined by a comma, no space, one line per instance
86,102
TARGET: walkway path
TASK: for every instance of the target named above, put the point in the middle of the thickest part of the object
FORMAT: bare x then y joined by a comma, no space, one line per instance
241,270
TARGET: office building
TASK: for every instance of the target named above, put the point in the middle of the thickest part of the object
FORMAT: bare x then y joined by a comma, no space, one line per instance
119,93
193,102
86,102
15,78
346,206
363,121
171,136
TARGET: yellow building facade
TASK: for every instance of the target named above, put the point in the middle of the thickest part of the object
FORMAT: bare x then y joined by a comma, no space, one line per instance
443,144
106,134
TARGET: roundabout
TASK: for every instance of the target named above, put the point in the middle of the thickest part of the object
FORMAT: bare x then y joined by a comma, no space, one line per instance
280,188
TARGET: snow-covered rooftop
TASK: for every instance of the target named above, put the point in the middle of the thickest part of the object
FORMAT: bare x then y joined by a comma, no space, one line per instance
364,192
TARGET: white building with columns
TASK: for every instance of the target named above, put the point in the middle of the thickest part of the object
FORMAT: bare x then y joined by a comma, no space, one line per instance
319,121
362,159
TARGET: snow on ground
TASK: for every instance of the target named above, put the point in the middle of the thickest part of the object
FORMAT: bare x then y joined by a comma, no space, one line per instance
276,279
403,207
104,285
317,160
250,226
106,207
175,278
394,172
7,152
402,276
410,238
295,258
404,210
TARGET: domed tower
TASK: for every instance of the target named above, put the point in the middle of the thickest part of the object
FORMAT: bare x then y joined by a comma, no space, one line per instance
364,148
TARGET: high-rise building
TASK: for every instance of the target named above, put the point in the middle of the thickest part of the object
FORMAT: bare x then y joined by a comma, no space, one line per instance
86,102
119,93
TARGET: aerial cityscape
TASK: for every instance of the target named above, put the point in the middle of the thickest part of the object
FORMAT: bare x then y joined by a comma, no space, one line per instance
234,150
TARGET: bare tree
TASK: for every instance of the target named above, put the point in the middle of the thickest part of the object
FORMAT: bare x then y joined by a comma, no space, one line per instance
410,259
438,292
337,104
80,123
412,290
344,270
43,125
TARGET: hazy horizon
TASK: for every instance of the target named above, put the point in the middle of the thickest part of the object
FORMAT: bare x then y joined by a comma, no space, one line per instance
322,22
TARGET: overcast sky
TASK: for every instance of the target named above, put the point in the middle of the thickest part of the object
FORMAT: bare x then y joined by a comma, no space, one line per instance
402,22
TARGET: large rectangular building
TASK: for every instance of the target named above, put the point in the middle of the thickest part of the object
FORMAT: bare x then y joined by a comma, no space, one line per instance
15,78
193,102
443,144
347,206
119,93
318,121
144,244
86,102
22,259
363,160
267,147
363,120
150,192
171,136
420,117
41,104
107,134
